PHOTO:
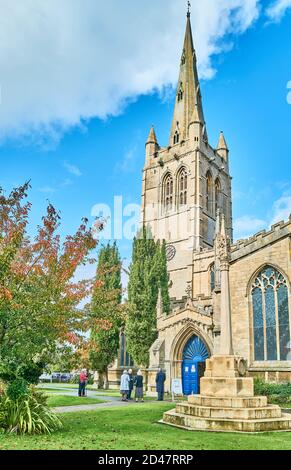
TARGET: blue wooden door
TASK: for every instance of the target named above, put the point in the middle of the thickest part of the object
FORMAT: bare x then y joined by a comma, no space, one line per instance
190,377
194,353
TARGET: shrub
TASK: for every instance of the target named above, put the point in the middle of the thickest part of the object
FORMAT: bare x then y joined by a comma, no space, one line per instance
28,414
90,380
280,392
75,379
17,389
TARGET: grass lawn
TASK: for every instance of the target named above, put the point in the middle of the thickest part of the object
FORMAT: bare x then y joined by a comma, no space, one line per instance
50,391
56,386
67,400
135,427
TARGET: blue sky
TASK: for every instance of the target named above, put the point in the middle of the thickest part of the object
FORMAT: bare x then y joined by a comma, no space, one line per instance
83,151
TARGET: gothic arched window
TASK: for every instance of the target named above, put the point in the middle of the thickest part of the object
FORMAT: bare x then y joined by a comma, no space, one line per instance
176,137
183,58
212,277
180,92
168,189
209,193
217,195
182,187
271,320
125,359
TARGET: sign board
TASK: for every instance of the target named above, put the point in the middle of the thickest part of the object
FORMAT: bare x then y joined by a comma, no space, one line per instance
177,387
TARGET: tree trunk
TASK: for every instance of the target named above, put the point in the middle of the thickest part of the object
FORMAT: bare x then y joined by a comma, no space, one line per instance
106,382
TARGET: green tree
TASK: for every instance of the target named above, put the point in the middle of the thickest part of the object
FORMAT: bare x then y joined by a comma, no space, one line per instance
148,274
38,293
107,310
163,276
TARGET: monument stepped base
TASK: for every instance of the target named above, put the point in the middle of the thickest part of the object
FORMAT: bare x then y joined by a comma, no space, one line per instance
244,420
203,413
227,403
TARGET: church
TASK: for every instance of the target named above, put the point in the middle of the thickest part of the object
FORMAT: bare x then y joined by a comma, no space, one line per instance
187,200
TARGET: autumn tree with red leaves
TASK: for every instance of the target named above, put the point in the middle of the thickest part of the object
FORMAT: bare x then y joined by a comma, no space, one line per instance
39,296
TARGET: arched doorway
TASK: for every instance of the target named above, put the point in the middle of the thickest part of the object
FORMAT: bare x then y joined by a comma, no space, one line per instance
195,354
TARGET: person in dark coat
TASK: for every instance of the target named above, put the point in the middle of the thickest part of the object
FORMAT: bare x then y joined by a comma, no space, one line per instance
138,382
131,384
160,383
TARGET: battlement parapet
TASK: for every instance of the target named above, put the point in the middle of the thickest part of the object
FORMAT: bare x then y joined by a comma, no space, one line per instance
278,231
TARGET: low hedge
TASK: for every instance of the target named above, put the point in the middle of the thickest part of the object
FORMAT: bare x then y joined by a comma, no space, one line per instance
281,392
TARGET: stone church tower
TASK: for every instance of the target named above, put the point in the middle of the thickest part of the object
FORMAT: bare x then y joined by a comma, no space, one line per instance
185,183
186,200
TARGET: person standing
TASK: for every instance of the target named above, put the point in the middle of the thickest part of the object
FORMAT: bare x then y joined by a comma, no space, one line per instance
160,384
82,383
131,383
124,385
139,387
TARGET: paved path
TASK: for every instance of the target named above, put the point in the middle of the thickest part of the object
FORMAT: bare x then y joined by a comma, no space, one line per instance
117,403
76,408
109,401
73,392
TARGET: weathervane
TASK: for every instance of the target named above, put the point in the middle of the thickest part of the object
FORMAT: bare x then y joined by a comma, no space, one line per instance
188,12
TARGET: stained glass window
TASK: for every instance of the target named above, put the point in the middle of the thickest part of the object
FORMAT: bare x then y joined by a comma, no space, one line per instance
272,352
258,325
284,325
271,319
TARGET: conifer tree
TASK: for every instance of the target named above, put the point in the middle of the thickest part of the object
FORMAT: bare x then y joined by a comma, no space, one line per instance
164,278
148,274
106,309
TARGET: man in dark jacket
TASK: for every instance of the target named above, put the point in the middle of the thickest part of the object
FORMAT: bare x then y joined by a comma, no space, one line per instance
160,383
131,383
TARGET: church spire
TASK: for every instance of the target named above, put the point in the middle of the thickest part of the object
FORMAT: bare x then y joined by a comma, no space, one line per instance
222,147
188,99
152,145
152,138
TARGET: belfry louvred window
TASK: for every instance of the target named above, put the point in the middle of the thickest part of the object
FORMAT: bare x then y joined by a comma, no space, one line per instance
182,187
168,189
209,193
271,316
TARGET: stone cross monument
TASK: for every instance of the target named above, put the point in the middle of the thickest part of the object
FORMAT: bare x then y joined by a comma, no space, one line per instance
227,402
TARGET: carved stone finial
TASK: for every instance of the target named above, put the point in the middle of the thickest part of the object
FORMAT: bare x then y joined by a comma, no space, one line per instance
189,292
189,10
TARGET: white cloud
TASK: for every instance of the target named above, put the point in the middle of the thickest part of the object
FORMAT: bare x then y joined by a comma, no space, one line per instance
129,160
278,9
62,63
47,189
73,169
282,209
247,225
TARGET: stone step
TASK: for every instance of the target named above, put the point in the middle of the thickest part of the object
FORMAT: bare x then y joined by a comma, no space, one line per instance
267,412
195,423
231,402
